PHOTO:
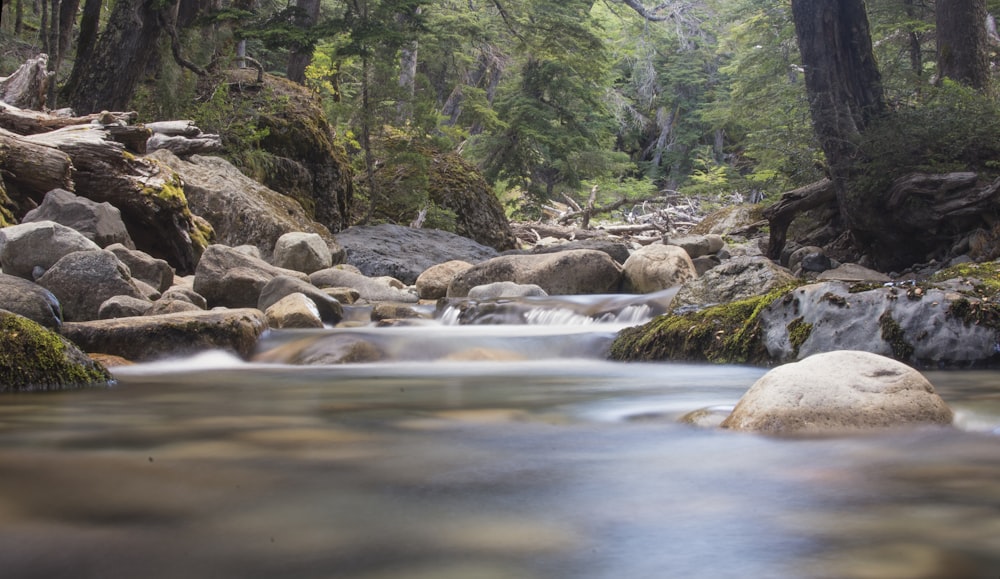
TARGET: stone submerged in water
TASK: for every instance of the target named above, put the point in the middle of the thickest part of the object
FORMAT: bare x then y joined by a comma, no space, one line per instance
838,392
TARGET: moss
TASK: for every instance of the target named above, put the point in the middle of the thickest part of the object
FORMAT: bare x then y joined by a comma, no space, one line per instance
723,334
893,333
171,192
798,332
985,277
977,312
34,358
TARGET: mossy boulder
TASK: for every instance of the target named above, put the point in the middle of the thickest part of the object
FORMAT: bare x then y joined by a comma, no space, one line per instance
458,186
723,334
34,358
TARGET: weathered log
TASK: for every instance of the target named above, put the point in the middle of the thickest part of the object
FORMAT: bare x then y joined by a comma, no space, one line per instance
33,169
148,194
29,84
178,128
926,201
592,210
781,214
185,146
28,122
633,228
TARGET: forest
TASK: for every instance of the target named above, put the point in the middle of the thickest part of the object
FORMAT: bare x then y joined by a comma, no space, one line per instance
872,106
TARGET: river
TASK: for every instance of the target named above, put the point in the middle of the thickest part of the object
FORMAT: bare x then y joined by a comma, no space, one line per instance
550,463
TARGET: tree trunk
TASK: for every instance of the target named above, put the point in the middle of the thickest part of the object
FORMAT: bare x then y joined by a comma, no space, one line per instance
33,169
407,75
112,72
962,42
842,82
299,59
89,23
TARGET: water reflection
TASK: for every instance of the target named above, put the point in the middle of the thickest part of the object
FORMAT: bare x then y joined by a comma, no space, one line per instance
546,468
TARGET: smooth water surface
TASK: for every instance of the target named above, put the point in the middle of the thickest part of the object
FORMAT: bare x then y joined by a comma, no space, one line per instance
549,467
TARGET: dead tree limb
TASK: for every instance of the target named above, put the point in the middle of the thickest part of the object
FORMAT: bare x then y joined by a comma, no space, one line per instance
28,86
781,214
33,169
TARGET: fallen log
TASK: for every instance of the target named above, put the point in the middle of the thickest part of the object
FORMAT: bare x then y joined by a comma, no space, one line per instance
29,85
30,122
33,169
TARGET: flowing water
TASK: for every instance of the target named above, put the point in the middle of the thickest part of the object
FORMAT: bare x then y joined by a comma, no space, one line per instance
481,451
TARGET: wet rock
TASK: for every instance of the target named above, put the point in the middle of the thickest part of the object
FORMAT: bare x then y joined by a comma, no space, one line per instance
30,300
404,252
327,307
581,271
433,283
35,358
171,335
293,311
505,289
738,278
658,267
99,222
710,417
370,289
305,252
232,279
38,245
836,392
83,280
389,311
809,258
144,267
854,273
331,349
920,326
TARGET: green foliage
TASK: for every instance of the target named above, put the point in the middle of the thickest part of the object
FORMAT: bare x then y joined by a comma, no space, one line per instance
237,121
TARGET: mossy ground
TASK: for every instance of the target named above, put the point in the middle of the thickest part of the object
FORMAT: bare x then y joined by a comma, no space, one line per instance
723,334
33,358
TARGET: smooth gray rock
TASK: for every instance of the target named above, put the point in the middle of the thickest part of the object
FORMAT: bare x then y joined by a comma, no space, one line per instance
370,289
580,271
836,392
853,272
123,307
181,293
28,299
698,245
295,310
404,252
155,272
305,252
171,335
433,283
83,280
171,306
658,267
229,278
738,278
616,249
99,222
327,308
38,245
505,289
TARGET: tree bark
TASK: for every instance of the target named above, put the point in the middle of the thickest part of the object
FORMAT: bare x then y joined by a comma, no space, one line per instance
28,87
110,75
781,214
33,169
89,23
963,42
299,59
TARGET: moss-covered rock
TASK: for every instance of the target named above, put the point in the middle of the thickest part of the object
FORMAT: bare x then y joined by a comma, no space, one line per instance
724,334
34,358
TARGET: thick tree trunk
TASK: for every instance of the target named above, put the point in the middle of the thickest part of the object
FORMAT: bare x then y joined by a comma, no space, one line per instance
87,38
299,60
963,42
781,214
110,75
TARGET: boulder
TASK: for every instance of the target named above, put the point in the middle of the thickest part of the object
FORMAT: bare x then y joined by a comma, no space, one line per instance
505,289
155,272
99,222
920,326
386,311
327,308
704,263
809,258
83,280
171,335
581,271
433,283
171,306
123,307
240,210
658,267
404,252
35,358
229,278
738,278
185,294
836,392
293,311
30,300
698,245
370,289
732,220
616,249
38,245
305,252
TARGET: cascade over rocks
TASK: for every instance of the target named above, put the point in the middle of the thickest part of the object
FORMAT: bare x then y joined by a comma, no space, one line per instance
83,280
241,210
838,391
404,252
581,271
99,222
25,247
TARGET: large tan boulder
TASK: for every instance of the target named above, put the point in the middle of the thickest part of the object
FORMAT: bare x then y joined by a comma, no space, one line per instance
838,391
575,272
433,283
658,267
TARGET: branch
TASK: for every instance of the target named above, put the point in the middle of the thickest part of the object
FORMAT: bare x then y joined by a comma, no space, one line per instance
650,14
507,20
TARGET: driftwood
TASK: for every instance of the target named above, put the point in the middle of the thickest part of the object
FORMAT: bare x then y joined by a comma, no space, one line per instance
592,210
33,169
633,228
781,214
181,138
29,85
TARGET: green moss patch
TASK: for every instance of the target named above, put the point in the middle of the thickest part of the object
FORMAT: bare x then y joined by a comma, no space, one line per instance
984,277
893,333
798,332
723,334
34,358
